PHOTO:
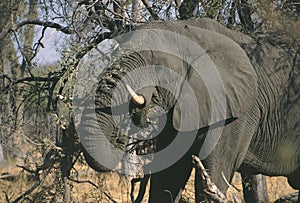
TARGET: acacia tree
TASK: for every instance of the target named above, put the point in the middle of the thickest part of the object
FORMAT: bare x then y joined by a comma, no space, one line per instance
85,24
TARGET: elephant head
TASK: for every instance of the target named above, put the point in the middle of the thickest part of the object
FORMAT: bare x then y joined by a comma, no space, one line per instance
199,78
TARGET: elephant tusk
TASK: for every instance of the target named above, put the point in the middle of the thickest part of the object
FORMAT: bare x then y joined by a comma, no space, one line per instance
135,97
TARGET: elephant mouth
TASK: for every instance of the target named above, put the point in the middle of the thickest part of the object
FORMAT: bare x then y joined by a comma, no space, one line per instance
142,137
144,118
140,117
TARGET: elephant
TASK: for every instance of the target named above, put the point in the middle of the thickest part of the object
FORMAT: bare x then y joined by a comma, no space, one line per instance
229,98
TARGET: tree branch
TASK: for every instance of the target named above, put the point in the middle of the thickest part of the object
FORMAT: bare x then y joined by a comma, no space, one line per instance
211,191
149,8
100,38
50,24
96,186
47,165
59,27
28,79
244,12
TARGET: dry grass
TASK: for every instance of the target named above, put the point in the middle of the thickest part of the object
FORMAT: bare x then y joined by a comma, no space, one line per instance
111,185
277,186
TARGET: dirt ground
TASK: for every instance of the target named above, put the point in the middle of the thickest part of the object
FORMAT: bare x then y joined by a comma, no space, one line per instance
111,186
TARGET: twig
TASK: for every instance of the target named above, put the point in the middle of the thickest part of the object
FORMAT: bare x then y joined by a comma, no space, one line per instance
6,197
36,184
47,165
96,186
211,191
8,177
233,189
83,181
26,169
229,185
29,79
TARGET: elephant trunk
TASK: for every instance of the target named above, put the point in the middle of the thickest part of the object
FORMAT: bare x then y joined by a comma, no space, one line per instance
103,150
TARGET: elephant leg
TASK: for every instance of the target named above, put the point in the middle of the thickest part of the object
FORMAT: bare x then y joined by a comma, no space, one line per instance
167,185
198,187
255,188
294,181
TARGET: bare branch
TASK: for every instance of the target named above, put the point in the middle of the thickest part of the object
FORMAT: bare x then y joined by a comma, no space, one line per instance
84,181
100,38
26,169
149,8
28,79
96,186
8,177
211,191
234,191
48,164
59,27
50,24
36,184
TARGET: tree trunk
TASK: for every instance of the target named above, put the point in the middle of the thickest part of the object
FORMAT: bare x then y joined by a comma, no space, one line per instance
255,188
137,8
2,159
67,192
245,11
29,37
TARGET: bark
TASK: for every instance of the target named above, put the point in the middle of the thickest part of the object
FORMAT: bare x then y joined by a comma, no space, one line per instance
28,36
70,145
67,192
137,8
9,62
2,159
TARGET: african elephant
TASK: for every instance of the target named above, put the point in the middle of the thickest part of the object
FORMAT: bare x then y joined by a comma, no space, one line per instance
231,99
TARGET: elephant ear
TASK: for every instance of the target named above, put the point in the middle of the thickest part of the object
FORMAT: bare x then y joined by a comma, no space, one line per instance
219,86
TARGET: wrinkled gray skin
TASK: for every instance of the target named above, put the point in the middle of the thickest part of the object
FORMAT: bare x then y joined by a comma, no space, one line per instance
262,132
